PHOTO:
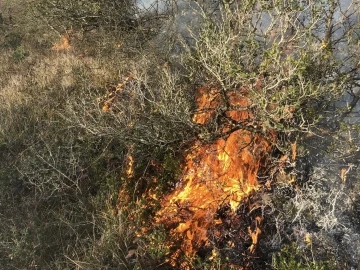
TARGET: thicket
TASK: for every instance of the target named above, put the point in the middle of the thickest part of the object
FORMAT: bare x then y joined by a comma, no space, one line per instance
63,158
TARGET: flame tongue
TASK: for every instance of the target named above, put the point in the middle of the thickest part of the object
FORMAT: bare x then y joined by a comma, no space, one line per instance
223,172
219,173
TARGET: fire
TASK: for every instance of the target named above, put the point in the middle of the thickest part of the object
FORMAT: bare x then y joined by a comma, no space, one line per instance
222,172
129,171
106,102
129,163
209,100
63,45
254,234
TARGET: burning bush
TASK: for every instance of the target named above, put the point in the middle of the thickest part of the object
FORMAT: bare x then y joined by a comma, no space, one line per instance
217,174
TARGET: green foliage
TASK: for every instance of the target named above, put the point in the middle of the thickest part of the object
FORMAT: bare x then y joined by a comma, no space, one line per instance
20,53
13,40
156,243
170,170
290,257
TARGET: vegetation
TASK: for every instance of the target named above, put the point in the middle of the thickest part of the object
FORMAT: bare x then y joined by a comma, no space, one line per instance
291,258
96,106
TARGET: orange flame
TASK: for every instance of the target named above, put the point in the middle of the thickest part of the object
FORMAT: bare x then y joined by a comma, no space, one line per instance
293,151
254,234
106,102
63,45
129,166
217,173
208,100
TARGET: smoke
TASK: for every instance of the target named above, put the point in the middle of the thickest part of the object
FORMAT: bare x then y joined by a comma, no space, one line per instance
184,18
157,6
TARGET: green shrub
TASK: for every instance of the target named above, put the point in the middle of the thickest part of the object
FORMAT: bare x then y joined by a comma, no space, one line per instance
290,257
